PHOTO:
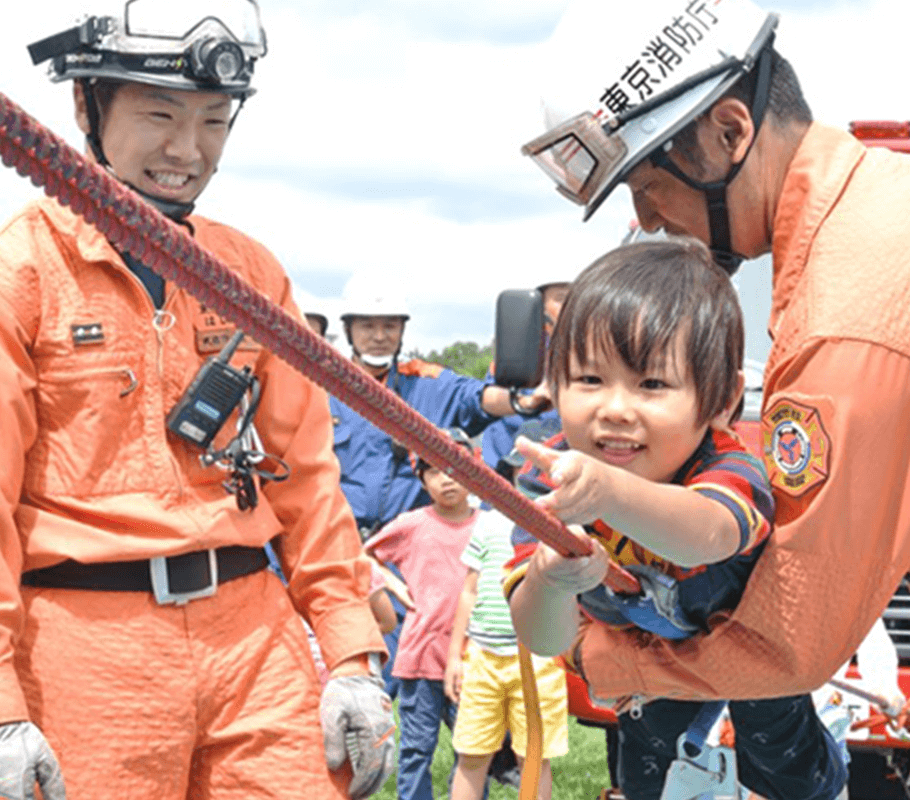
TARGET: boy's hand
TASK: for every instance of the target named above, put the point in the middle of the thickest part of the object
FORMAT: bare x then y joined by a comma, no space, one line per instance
581,482
569,575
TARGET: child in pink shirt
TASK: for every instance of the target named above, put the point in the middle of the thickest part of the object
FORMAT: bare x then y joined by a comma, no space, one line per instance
426,545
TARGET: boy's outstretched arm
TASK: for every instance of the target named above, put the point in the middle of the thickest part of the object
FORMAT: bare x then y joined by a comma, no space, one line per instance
672,521
544,606
837,554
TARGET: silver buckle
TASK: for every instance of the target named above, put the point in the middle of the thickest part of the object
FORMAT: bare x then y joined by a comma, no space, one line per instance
161,585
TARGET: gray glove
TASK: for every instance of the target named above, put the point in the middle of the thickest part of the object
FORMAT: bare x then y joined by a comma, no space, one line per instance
358,724
26,757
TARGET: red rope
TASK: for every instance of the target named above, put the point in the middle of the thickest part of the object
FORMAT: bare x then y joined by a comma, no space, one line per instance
132,225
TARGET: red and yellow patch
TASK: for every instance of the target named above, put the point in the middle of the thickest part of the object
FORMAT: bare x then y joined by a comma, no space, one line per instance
797,448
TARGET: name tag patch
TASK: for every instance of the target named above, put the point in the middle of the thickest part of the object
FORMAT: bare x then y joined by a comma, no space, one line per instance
86,334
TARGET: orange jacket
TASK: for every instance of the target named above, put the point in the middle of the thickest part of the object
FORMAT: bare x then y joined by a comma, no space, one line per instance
836,435
86,379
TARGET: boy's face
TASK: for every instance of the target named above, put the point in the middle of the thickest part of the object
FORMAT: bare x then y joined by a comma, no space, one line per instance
444,491
644,423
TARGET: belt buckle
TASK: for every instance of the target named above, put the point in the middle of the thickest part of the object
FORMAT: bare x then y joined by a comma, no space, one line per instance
162,588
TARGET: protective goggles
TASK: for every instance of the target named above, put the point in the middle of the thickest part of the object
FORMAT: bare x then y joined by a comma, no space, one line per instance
579,156
166,41
183,21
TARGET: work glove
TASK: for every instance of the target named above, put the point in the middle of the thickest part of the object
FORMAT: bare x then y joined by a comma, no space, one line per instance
357,724
27,758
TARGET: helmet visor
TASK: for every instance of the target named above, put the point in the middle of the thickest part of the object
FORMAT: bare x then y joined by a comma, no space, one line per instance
179,20
578,155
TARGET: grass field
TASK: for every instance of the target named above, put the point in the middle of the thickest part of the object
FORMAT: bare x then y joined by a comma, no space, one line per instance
580,775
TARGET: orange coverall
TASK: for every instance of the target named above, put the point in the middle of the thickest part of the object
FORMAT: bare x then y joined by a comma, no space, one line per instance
217,698
836,435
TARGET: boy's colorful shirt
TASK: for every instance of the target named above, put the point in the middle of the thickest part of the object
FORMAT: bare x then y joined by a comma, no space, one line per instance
720,469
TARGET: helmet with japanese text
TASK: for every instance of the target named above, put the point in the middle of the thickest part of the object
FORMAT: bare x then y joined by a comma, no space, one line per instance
192,45
621,79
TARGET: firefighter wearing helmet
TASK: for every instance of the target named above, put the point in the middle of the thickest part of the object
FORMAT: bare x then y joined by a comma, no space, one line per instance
377,476
373,318
144,642
606,115
693,108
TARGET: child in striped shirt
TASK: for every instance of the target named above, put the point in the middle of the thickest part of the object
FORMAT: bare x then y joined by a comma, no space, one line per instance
482,673
645,368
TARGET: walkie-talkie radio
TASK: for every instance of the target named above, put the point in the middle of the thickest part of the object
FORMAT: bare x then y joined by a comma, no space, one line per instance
209,400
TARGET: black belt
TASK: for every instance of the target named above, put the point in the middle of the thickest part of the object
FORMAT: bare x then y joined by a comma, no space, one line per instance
172,579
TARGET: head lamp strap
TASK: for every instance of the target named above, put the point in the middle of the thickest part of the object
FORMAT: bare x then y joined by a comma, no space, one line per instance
70,41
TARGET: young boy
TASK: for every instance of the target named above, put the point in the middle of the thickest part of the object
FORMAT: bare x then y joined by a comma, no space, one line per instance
644,368
483,676
426,545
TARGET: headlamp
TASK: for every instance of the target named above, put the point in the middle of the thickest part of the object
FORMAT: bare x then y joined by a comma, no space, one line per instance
193,45
217,60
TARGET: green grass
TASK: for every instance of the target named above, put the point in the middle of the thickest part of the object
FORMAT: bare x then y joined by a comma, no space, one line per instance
580,775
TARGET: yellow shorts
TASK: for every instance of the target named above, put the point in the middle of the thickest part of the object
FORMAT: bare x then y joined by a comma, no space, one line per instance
491,702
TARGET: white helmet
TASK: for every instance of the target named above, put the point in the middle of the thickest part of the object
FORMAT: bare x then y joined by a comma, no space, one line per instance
192,45
312,307
187,45
367,295
621,79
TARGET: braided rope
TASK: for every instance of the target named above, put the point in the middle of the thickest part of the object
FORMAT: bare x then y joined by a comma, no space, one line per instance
133,226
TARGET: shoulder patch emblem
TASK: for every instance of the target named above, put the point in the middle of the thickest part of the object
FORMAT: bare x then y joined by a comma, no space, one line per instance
796,445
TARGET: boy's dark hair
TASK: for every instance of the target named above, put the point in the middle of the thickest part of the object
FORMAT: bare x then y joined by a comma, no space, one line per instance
632,303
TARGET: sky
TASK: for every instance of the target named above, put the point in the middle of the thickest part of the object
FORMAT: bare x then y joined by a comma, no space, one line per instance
385,139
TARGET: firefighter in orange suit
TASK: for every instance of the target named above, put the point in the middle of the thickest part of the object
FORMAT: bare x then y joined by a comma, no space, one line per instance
143,641
704,121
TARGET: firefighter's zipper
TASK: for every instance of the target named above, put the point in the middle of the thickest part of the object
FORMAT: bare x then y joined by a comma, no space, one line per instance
162,322
132,382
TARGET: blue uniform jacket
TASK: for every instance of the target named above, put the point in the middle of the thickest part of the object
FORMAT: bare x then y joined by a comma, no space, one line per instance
376,474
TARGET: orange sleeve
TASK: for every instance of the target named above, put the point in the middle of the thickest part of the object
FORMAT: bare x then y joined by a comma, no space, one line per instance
841,479
321,553
18,426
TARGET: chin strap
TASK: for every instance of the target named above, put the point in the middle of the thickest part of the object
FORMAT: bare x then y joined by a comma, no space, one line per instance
170,208
716,191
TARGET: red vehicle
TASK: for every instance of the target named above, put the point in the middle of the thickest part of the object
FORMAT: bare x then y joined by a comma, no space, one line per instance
880,758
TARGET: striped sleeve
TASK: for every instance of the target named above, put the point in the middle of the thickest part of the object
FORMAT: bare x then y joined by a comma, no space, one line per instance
736,480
